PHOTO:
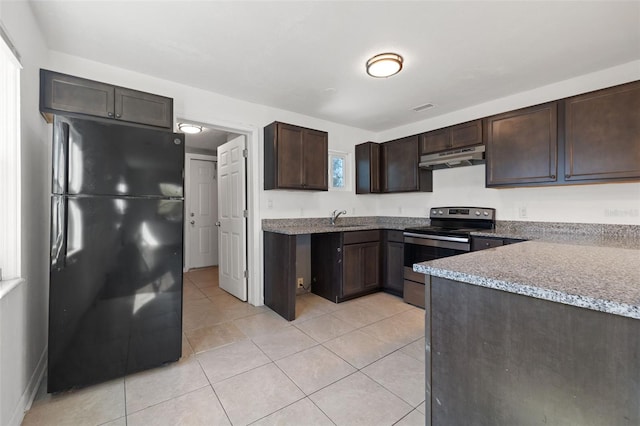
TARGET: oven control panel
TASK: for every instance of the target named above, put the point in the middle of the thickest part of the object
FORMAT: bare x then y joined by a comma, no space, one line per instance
463,213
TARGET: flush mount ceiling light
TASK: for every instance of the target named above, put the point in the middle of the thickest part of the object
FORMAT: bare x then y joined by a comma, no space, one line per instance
189,128
384,65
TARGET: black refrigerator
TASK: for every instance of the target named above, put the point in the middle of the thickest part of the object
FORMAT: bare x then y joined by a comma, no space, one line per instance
115,287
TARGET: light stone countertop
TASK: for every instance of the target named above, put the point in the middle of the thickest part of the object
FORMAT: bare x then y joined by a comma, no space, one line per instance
299,226
605,279
593,266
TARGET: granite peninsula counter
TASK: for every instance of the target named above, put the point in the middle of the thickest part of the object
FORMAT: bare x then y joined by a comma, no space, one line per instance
605,279
539,332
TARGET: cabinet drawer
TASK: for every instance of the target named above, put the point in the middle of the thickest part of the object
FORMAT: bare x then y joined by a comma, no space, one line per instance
414,293
397,236
485,243
356,237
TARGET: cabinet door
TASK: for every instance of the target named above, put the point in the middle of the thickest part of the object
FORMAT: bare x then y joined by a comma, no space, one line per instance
361,266
400,165
290,157
434,141
66,93
522,146
352,270
466,134
143,108
602,134
368,168
394,266
370,265
316,159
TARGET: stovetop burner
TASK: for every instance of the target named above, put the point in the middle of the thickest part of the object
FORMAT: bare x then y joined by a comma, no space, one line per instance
457,221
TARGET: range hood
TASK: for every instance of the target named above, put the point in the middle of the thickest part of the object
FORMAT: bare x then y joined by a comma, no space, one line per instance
456,158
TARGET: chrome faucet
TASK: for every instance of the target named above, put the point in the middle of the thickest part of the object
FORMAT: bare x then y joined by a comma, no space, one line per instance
335,215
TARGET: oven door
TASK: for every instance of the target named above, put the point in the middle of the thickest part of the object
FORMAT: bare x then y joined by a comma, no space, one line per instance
421,248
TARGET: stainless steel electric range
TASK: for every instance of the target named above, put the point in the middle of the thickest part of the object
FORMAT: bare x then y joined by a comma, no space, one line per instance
448,235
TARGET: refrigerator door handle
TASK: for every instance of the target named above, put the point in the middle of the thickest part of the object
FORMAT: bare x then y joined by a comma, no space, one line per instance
60,163
66,165
59,233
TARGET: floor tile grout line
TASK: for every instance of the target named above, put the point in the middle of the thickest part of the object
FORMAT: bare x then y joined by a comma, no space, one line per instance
413,407
215,393
165,401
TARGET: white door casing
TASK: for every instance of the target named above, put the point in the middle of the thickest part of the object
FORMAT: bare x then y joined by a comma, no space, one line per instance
231,211
202,213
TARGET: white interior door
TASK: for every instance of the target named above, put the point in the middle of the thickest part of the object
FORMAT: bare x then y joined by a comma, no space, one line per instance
202,214
233,224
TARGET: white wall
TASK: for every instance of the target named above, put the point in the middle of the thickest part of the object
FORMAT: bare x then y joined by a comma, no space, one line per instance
208,107
23,311
617,203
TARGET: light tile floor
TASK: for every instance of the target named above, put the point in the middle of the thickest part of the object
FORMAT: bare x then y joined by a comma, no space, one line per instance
355,363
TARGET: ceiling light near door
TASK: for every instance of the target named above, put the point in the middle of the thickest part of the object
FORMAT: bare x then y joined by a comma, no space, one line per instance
189,128
384,65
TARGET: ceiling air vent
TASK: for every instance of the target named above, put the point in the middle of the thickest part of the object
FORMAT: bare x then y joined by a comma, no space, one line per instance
423,107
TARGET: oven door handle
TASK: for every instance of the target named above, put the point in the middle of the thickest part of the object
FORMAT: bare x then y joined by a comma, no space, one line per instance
434,237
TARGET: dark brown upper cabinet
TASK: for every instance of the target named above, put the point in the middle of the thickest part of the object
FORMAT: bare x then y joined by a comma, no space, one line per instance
453,137
399,171
368,168
295,157
391,167
522,146
62,93
602,134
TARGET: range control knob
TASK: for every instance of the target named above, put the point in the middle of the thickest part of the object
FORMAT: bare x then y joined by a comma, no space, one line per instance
486,213
439,211
434,212
477,213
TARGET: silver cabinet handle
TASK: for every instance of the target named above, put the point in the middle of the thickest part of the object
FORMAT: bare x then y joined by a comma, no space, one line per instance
218,224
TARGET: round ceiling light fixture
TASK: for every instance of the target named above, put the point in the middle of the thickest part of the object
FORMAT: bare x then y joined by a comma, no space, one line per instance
189,128
384,65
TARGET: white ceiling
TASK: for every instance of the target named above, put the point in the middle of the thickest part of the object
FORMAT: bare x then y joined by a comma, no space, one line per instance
207,140
309,57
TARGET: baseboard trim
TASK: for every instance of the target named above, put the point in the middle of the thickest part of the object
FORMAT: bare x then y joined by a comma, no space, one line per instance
30,392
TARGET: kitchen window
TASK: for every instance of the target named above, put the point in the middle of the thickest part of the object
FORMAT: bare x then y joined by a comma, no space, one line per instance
339,171
9,165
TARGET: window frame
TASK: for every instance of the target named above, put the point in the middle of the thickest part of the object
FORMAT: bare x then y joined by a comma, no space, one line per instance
346,156
10,172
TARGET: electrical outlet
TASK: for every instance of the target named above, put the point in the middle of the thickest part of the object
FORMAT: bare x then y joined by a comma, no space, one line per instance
300,282
522,212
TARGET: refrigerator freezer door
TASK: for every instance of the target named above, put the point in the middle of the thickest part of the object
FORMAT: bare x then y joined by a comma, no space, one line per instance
106,158
116,300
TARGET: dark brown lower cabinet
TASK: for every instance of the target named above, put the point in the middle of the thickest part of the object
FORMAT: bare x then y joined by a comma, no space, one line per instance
501,358
393,262
361,268
280,274
345,265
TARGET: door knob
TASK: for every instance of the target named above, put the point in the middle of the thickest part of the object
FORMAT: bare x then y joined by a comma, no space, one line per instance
193,222
192,214
217,223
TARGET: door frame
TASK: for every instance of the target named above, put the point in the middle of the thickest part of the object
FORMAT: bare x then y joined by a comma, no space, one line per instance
253,133
187,207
